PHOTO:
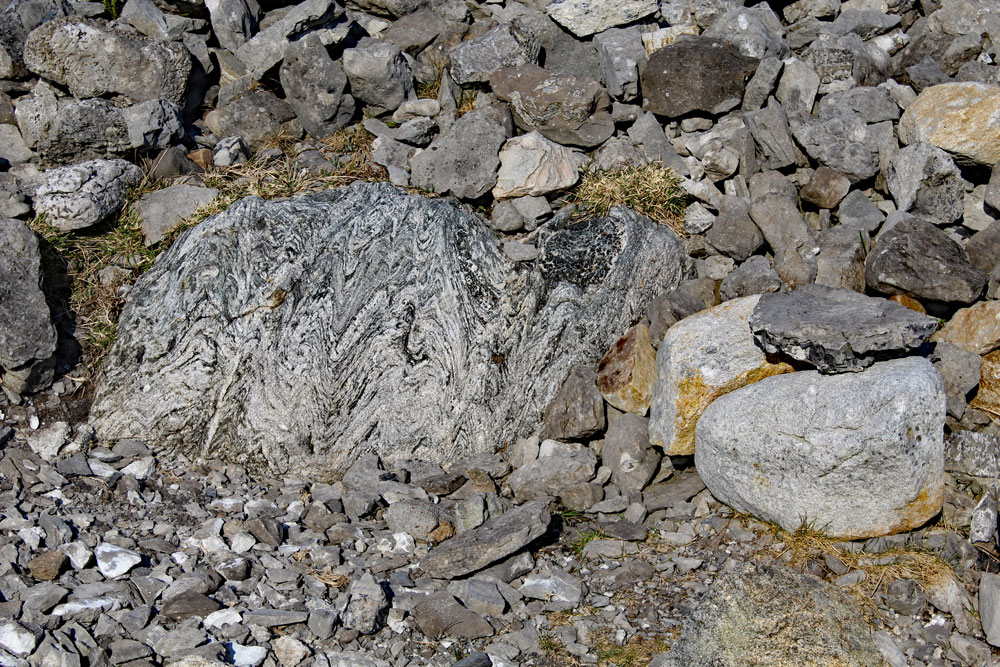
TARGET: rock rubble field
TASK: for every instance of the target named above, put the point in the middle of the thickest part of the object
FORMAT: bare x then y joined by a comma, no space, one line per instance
374,333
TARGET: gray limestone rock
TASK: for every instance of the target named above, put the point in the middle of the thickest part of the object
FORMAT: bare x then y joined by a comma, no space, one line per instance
859,454
162,210
774,208
798,87
924,180
621,56
627,452
84,129
582,17
989,606
961,372
17,20
368,607
577,411
554,586
858,212
92,59
754,276
153,124
234,22
744,614
734,232
379,75
384,302
27,337
755,32
841,143
695,74
230,151
85,194
769,127
315,86
841,258
837,330
872,104
441,614
761,84
255,115
551,475
975,453
463,161
266,49
493,541
508,45
35,112
918,259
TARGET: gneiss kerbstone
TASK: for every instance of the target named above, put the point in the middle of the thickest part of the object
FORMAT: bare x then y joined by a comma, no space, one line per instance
854,455
837,330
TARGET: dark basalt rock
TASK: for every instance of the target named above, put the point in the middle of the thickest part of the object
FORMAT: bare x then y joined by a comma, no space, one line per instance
296,335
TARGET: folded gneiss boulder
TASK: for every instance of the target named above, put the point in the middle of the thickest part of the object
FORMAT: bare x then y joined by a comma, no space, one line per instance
294,335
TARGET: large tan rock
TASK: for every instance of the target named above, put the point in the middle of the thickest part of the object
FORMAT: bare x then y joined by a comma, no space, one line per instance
962,118
703,357
531,165
627,374
988,397
975,329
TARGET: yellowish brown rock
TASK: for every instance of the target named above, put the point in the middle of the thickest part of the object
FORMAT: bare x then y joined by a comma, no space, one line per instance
975,329
962,118
703,357
908,302
988,397
627,374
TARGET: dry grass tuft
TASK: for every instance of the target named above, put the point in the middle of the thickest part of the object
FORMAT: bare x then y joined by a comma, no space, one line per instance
806,545
638,651
429,89
652,190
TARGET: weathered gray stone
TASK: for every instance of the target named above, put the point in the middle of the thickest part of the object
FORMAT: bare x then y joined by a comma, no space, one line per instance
774,208
837,330
508,45
234,22
917,259
761,84
153,124
35,112
755,32
695,74
734,232
496,539
872,104
797,87
859,455
531,165
441,614
858,212
255,115
743,615
974,453
610,266
85,194
754,276
464,160
841,143
368,607
628,453
583,18
27,336
266,49
769,127
554,586
114,561
92,59
841,258
923,179
621,57
551,475
961,372
577,411
570,110
379,75
314,86
84,129
989,606
162,210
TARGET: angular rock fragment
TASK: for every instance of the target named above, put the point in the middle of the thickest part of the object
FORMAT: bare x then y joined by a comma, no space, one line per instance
858,454
531,165
961,118
496,539
701,358
266,49
627,374
553,475
695,74
379,75
917,259
314,86
162,210
85,194
384,300
975,329
508,45
923,179
627,452
463,161
577,411
93,59
837,330
583,18
974,453
441,614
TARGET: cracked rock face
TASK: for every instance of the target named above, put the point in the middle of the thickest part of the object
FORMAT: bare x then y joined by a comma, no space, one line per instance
855,455
837,330
295,335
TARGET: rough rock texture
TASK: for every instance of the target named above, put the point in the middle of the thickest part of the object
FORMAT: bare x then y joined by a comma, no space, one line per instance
577,411
627,374
837,330
976,328
701,358
531,165
695,74
314,87
961,118
27,337
463,161
917,259
585,17
93,59
744,620
553,475
923,179
162,210
498,538
628,454
416,336
857,455
84,129
84,194
379,75
508,45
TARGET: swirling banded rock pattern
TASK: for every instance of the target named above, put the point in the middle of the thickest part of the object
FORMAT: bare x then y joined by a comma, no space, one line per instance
294,335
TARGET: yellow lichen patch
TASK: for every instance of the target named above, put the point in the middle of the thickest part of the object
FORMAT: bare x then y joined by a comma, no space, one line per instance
694,395
988,398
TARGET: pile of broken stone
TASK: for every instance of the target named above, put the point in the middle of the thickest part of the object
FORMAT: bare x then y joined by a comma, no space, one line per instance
820,350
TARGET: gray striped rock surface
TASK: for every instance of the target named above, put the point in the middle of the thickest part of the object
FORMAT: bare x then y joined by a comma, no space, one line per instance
295,335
